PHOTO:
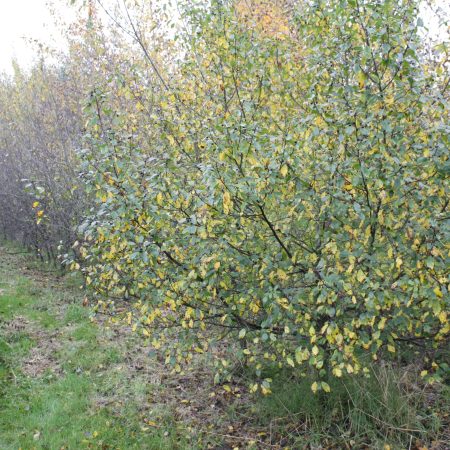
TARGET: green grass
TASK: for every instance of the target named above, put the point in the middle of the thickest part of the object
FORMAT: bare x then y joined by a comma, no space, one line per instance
60,413
62,407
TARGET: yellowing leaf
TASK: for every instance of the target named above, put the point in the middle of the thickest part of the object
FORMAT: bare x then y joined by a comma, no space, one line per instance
382,323
325,386
284,170
361,78
360,276
314,387
227,203
281,274
301,355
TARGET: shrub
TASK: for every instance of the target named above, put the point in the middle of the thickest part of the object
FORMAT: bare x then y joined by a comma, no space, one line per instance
293,195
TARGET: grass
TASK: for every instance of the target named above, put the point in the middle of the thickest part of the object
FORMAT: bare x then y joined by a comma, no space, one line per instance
63,406
69,382
389,409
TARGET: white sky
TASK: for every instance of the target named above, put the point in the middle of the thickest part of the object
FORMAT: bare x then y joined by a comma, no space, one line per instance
21,19
28,19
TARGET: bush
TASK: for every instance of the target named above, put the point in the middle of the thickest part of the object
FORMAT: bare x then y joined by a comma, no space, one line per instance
292,193
40,126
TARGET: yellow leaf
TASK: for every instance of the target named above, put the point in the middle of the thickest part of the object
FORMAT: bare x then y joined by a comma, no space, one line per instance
382,323
360,276
314,387
361,78
227,203
284,170
325,386
438,292
281,274
337,372
35,204
315,350
301,355
391,348
290,362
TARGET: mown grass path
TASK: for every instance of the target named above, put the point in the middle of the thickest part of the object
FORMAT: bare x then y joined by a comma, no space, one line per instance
65,382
